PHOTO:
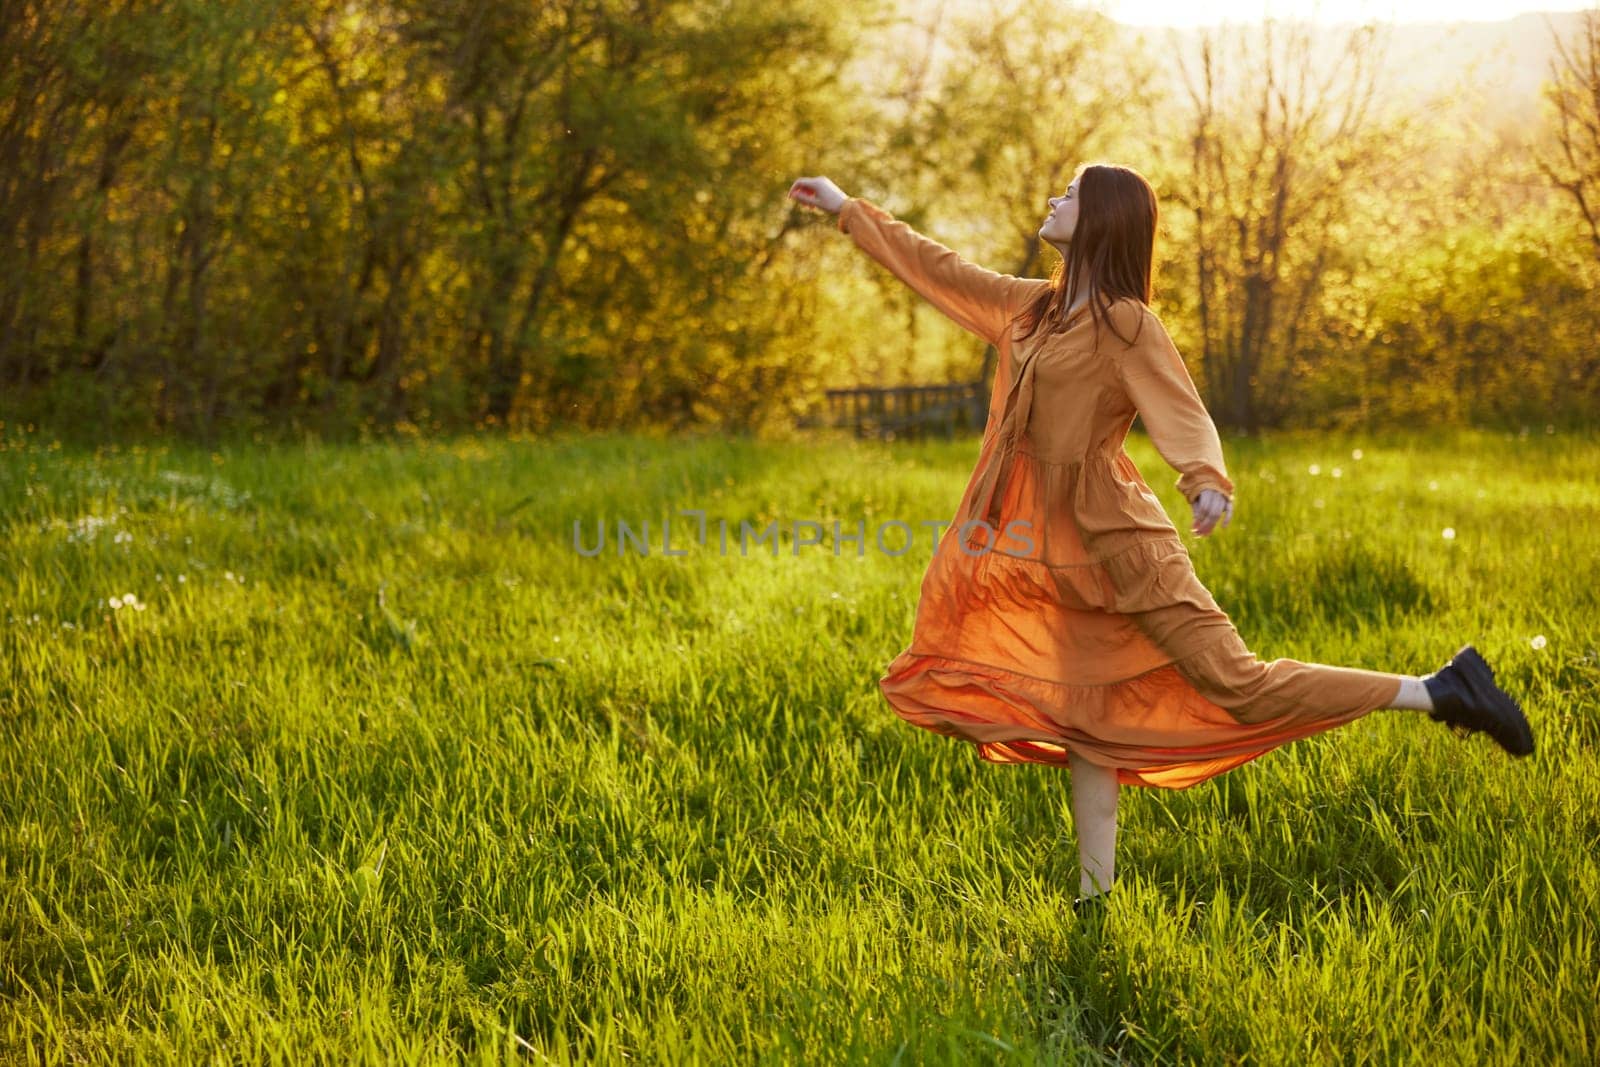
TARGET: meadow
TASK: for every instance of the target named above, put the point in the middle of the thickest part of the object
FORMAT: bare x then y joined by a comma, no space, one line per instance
317,753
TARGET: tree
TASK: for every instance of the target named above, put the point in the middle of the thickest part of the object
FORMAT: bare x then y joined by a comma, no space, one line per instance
1276,137
1574,95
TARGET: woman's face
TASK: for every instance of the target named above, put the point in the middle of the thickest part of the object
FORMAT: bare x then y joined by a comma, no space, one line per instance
1063,219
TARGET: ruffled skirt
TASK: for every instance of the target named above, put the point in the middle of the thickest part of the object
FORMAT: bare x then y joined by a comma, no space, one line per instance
1125,660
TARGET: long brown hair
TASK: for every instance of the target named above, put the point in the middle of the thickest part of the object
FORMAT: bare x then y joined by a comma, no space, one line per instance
1110,254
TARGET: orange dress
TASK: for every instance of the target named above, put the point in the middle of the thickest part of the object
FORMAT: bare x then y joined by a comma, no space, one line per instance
1060,610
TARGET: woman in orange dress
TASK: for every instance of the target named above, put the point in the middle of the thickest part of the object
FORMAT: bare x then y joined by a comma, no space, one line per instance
1060,620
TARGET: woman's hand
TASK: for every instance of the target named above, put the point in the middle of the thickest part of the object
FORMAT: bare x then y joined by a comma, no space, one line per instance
818,192
1210,506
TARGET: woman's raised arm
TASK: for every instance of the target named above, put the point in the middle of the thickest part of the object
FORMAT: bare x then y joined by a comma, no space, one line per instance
975,298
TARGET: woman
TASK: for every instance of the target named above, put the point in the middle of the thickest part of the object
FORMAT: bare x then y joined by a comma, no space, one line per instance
1060,620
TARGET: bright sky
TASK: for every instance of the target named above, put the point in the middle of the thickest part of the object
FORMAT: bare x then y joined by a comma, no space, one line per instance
1211,12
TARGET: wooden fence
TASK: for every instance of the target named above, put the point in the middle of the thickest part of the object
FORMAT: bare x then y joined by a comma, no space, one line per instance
899,411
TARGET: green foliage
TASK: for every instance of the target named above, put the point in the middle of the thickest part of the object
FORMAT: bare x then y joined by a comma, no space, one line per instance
372,767
435,213
307,216
1488,325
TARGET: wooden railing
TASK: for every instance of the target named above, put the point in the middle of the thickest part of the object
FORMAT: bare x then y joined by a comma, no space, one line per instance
898,411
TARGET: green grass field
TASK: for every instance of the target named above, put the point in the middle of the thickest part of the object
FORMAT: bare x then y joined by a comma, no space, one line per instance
345,754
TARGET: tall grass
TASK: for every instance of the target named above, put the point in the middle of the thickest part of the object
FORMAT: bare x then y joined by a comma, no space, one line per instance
374,766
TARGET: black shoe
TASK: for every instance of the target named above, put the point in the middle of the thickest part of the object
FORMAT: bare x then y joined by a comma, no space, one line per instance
1092,905
1465,697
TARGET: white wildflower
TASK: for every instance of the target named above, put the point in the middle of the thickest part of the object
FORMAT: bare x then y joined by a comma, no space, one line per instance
85,528
1538,641
1449,533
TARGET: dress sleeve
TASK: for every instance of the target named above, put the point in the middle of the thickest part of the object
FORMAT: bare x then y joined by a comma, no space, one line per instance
1154,376
977,299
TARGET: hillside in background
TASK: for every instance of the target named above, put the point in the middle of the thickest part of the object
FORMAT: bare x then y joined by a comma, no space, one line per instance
1494,70
1497,68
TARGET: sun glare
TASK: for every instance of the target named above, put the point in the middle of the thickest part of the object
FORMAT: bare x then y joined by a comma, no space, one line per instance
1185,14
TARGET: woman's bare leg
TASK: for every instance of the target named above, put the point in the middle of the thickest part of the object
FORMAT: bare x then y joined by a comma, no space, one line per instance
1094,801
1413,695
1094,819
